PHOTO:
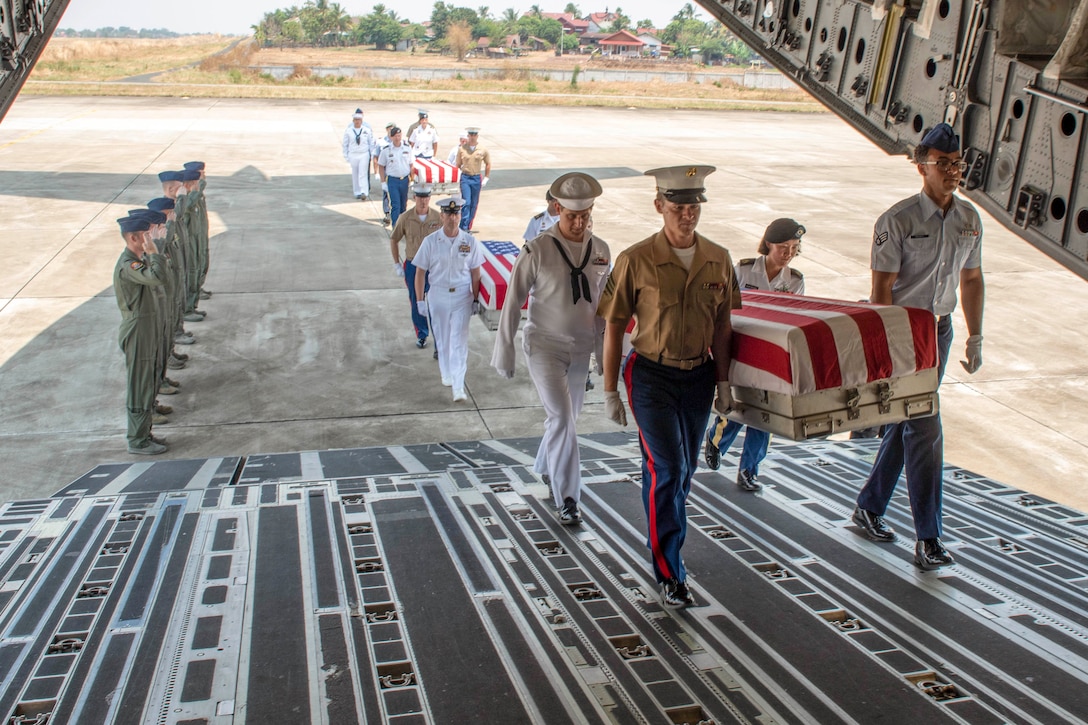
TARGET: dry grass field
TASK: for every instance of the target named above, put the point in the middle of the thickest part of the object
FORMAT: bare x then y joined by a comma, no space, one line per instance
216,66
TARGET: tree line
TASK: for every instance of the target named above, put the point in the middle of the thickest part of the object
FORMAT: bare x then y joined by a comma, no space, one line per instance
320,22
122,32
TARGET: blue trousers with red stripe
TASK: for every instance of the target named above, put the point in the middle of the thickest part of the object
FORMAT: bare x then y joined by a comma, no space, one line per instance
670,407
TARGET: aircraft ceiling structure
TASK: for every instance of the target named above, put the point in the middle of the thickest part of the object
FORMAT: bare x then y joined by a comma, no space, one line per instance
1009,75
25,28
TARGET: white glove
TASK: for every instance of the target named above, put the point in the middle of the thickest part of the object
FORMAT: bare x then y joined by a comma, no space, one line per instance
477,308
973,353
484,182
385,186
398,269
723,401
613,407
508,374
421,307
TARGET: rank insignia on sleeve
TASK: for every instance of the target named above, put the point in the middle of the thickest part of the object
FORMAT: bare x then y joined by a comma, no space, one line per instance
881,238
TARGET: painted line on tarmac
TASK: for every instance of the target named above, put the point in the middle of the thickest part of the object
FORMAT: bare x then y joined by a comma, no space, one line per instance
32,134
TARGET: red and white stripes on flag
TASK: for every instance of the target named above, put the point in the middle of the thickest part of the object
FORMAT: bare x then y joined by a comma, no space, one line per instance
796,345
431,171
495,276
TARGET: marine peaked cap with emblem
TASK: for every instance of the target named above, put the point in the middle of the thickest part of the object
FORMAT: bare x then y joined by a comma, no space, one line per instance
682,184
451,204
576,191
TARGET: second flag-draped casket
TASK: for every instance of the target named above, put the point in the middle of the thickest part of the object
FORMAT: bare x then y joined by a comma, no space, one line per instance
499,259
806,367
443,177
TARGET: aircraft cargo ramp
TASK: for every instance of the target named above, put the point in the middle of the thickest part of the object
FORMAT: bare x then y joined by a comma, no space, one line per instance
432,584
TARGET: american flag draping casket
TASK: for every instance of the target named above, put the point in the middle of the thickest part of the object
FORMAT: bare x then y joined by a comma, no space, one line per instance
433,171
807,367
494,278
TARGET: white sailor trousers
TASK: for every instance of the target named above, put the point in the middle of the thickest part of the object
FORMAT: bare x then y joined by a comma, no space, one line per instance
560,378
449,315
360,173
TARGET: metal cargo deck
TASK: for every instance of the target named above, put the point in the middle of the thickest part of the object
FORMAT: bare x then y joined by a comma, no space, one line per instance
431,584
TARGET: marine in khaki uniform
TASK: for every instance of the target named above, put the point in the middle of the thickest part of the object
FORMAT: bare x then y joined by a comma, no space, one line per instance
412,226
474,161
139,271
680,289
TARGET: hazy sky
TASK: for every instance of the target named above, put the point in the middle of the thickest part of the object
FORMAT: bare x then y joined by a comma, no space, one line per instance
236,16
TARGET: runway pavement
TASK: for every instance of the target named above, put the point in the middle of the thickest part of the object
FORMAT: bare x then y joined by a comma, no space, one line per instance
308,344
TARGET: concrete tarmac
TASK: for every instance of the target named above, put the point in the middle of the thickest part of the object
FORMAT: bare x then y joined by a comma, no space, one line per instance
308,342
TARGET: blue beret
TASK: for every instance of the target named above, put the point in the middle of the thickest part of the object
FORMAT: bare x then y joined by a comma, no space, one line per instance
133,224
162,203
191,165
942,138
155,217
165,176
188,175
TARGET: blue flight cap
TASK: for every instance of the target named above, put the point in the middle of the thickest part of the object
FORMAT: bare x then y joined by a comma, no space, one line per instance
162,203
942,138
165,176
189,175
133,224
155,217
194,165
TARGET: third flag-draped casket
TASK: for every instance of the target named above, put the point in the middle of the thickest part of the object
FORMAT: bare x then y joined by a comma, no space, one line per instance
806,367
494,278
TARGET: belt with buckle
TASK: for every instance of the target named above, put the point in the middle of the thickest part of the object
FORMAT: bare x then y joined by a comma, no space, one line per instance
688,364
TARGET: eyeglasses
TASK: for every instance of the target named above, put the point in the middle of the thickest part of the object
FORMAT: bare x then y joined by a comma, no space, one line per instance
946,165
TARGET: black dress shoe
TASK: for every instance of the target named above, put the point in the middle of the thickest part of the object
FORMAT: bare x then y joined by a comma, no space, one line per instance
931,554
675,595
711,454
874,526
746,480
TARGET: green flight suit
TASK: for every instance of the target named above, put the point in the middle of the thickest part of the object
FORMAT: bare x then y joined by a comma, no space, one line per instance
134,283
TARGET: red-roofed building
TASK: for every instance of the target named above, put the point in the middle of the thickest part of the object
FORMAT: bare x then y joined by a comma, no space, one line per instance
621,43
570,23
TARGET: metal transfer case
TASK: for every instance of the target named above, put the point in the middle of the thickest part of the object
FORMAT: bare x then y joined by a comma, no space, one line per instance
806,367
824,412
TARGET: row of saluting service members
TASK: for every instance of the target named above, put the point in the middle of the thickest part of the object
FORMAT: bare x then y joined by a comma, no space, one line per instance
159,282
680,288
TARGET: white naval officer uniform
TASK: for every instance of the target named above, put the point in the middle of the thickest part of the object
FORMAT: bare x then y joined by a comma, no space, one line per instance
558,337
449,302
752,274
423,141
539,223
359,147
